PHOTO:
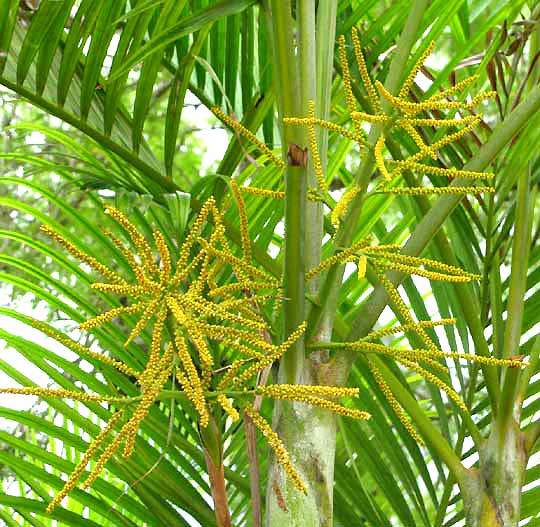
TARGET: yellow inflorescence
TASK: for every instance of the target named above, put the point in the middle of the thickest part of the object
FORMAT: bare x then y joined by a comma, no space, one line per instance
246,241
364,74
362,267
343,205
346,75
431,275
379,160
370,118
417,138
460,86
155,348
425,191
357,136
278,447
437,382
165,256
401,307
409,327
422,354
82,256
182,290
249,135
60,393
297,391
426,262
404,91
315,396
111,315
151,389
192,383
340,257
80,349
264,193
439,171
392,401
314,148
227,406
143,247
87,457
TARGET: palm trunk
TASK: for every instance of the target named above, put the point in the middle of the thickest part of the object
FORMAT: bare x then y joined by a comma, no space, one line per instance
309,434
494,497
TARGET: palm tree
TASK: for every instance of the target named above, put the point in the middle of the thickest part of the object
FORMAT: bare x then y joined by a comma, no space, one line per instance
343,140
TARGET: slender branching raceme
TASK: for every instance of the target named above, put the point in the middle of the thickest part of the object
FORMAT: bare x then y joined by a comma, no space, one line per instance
393,115
177,297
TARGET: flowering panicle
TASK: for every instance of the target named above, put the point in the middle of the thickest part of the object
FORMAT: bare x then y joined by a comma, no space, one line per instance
315,396
82,256
338,258
393,402
92,449
278,447
178,300
264,193
228,407
392,330
60,393
240,129
364,74
200,301
242,214
78,348
312,136
343,205
400,113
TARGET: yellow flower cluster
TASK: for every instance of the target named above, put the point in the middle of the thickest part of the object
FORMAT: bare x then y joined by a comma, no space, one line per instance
79,349
241,130
264,193
60,393
180,291
343,204
393,402
312,137
358,137
278,447
338,258
91,451
228,407
384,332
364,75
427,191
244,232
315,396
415,265
82,256
402,115
422,354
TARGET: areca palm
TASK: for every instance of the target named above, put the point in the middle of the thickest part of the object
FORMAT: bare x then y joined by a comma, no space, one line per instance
338,86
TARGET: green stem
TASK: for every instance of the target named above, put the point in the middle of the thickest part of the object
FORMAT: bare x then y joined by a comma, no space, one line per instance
324,314
316,50
515,304
449,483
286,77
